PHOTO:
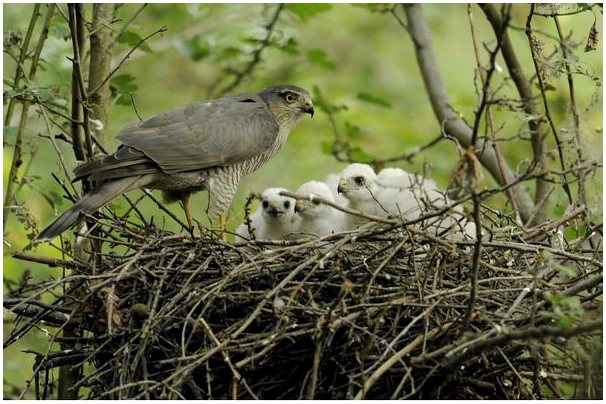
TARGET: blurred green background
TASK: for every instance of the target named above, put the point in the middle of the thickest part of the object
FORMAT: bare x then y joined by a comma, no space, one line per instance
346,51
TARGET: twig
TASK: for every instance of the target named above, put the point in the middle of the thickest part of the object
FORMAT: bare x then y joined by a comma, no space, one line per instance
256,55
51,262
530,108
455,356
475,262
388,364
130,21
443,110
17,150
532,41
486,80
115,69
20,71
575,115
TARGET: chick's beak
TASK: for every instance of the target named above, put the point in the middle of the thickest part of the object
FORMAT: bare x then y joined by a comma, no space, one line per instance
341,187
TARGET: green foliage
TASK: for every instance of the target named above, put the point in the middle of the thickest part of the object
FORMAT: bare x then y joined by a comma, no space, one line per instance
305,11
320,58
291,47
360,156
133,39
566,311
196,48
376,7
371,99
121,87
39,93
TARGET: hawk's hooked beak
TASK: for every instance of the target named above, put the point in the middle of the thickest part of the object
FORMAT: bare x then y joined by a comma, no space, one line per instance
308,108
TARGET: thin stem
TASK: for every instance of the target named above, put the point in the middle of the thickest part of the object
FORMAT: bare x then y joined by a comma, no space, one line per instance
256,55
533,43
18,149
575,115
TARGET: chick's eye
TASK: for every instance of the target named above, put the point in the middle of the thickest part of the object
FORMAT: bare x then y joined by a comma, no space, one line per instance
265,204
316,202
286,204
290,98
359,180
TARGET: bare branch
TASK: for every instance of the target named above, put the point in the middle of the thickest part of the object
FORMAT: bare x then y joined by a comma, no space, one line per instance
451,122
256,55
17,150
537,133
533,42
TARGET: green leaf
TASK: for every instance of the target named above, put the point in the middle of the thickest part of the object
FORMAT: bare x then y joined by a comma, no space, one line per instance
360,155
291,47
53,198
194,48
352,130
318,56
327,146
371,99
229,52
307,10
124,83
565,322
375,7
42,93
133,39
121,86
8,94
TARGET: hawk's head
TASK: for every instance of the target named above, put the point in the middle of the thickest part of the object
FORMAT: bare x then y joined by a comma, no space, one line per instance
288,103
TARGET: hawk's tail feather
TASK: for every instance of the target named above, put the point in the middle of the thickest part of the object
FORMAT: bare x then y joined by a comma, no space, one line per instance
88,204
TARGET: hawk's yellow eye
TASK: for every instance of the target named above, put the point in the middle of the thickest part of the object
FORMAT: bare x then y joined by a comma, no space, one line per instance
290,98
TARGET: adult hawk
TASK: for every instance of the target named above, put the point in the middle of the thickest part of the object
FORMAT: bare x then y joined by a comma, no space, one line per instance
209,146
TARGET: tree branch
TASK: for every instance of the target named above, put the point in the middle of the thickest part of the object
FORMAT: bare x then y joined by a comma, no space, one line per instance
256,55
533,43
17,151
101,44
451,122
537,132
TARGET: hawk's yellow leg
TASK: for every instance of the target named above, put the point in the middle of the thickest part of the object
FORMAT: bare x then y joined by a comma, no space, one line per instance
222,222
185,205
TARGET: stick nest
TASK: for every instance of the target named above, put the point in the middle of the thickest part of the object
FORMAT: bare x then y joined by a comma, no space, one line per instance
383,312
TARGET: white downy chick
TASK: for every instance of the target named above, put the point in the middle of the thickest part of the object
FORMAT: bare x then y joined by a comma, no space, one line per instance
358,185
274,219
332,181
414,195
316,218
